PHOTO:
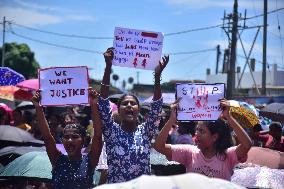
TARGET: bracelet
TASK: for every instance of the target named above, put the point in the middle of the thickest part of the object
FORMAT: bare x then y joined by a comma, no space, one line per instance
105,85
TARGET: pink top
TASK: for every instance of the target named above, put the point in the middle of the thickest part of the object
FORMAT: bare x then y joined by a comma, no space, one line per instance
195,162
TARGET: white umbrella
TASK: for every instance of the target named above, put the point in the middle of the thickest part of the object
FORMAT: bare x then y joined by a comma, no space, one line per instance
184,181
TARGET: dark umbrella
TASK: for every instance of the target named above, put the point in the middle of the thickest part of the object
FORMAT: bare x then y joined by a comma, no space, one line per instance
32,166
13,136
10,77
273,111
9,153
161,166
25,105
115,97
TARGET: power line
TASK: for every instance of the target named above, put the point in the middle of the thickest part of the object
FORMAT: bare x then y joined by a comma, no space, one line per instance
96,52
56,45
193,52
258,61
59,34
193,30
167,34
91,37
269,12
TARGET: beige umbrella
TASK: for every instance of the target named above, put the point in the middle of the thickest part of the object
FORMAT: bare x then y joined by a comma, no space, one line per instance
184,181
266,157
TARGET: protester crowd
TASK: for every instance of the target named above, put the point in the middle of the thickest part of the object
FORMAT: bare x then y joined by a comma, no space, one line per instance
209,148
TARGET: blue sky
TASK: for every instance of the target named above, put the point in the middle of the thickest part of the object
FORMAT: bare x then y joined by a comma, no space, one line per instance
96,18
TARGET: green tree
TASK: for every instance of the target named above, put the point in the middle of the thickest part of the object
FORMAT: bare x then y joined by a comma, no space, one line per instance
20,58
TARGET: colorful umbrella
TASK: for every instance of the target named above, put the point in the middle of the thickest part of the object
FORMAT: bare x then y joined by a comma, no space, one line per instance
244,115
5,114
10,77
11,93
32,84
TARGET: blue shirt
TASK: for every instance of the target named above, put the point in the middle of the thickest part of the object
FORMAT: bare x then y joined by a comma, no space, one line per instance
72,174
128,153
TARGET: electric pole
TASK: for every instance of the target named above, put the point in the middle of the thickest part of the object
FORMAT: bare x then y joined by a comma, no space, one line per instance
3,43
231,78
218,59
137,76
263,91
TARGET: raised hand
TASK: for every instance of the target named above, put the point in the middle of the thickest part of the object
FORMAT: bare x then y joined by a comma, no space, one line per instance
93,96
162,65
108,55
174,107
225,104
36,98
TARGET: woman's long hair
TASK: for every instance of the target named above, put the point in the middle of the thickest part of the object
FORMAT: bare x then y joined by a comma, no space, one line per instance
224,140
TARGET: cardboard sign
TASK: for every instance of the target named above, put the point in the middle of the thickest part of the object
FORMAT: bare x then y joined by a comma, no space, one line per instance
199,101
137,48
64,86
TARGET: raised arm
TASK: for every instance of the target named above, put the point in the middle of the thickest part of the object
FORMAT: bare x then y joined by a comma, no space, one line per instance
108,55
97,144
157,76
160,142
49,141
245,141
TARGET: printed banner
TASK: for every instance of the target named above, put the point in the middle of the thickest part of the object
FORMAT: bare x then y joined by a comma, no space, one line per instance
199,101
64,86
137,48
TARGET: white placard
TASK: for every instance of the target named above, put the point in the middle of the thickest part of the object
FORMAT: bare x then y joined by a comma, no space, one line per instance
64,86
199,101
137,48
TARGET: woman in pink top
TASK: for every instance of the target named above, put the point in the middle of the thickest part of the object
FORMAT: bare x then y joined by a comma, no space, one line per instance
213,155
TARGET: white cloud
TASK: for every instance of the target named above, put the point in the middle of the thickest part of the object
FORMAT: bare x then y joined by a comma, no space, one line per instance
31,14
36,6
79,17
28,17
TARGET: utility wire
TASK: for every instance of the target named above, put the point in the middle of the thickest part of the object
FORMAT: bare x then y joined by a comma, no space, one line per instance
269,12
193,52
58,34
97,52
167,34
90,37
260,62
55,45
193,30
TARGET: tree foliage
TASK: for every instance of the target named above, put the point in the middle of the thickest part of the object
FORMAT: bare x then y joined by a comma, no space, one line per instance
20,58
